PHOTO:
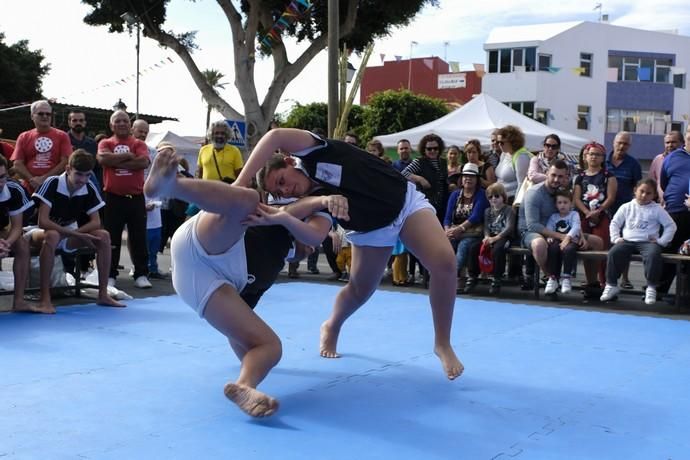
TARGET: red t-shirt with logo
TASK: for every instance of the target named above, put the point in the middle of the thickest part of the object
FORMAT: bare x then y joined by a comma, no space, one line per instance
41,152
123,181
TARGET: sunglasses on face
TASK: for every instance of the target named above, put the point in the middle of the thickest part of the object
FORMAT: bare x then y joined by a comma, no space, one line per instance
492,197
431,149
551,146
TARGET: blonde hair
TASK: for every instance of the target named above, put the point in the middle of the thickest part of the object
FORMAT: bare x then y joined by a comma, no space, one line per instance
497,189
166,145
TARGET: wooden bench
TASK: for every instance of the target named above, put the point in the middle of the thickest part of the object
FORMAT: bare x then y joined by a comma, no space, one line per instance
78,255
682,276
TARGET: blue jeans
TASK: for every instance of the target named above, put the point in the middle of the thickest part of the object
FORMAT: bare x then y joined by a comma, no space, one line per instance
463,250
153,241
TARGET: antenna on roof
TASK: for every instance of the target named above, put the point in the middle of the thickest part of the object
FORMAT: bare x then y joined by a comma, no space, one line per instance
598,6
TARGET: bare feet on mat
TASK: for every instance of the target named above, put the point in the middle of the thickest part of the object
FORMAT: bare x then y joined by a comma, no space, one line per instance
25,307
108,301
251,401
451,364
328,342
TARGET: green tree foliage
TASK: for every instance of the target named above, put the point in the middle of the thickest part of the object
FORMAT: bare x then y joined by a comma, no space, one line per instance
315,115
392,111
22,72
361,21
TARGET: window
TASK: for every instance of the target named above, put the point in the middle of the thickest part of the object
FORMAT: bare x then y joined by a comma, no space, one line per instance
586,64
544,62
679,80
526,108
518,57
639,121
542,116
530,59
505,60
583,116
646,69
677,126
493,61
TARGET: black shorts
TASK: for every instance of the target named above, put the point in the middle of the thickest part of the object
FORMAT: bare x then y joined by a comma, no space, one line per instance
266,249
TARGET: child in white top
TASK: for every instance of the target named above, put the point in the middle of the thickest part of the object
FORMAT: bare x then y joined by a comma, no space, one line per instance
635,229
563,252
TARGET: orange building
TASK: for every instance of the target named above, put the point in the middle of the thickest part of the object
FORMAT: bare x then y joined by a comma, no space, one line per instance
430,76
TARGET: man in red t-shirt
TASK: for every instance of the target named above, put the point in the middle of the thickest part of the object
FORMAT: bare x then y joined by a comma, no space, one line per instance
41,152
123,159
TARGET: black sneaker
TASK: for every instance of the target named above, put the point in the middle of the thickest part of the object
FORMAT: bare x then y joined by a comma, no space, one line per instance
495,287
470,285
314,271
527,284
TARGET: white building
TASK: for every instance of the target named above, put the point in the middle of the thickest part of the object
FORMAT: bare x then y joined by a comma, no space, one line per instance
593,79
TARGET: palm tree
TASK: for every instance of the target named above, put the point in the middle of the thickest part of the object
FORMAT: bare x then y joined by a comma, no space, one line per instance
213,77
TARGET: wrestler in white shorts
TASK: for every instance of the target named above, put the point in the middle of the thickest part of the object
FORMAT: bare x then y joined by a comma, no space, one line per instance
198,274
388,235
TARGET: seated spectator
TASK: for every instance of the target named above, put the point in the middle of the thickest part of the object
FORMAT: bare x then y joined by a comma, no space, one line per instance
62,200
534,213
13,203
487,175
455,157
499,225
635,229
464,221
566,222
514,161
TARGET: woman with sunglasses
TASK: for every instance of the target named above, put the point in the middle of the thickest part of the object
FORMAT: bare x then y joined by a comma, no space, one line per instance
540,164
430,173
514,162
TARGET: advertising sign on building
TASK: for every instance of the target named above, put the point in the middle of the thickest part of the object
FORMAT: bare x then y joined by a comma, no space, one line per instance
452,80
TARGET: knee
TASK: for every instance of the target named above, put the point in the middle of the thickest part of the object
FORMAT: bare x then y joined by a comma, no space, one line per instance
444,263
51,239
538,247
104,238
247,200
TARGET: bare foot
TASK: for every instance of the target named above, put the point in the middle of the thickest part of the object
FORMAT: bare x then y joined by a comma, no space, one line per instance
162,175
328,342
108,301
24,307
451,364
251,401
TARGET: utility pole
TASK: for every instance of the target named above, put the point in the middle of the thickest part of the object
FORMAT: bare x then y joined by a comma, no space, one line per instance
409,71
333,52
445,51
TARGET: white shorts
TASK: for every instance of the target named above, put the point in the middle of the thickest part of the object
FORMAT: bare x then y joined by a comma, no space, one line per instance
388,236
198,274
62,244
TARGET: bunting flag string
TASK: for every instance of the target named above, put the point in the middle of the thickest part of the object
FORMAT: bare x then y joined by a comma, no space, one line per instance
124,80
293,12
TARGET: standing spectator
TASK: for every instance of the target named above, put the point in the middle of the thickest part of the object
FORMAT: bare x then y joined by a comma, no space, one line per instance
487,175
6,149
514,162
565,221
672,141
499,227
494,154
404,155
635,229
675,181
464,221
351,138
376,148
63,199
455,164
124,159
540,163
41,152
594,194
13,203
76,120
219,160
628,173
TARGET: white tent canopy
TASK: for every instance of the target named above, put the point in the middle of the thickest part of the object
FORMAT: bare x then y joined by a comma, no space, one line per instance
187,149
477,119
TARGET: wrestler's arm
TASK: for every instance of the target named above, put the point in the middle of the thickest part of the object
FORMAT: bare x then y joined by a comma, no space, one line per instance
311,232
286,139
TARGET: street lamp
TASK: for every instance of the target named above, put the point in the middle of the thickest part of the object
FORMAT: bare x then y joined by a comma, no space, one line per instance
409,73
119,105
131,21
350,72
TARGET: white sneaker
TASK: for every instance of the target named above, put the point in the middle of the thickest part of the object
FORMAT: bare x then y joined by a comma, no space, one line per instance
131,271
551,286
111,282
566,285
609,293
650,295
143,282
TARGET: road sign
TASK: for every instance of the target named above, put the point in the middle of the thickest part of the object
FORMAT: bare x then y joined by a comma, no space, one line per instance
238,133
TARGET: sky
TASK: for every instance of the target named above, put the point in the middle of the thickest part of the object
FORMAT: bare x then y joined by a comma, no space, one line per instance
88,64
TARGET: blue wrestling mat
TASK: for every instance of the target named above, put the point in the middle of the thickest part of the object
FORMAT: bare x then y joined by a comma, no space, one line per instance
146,382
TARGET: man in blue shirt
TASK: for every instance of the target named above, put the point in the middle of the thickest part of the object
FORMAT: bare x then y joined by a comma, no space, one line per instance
404,152
675,182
